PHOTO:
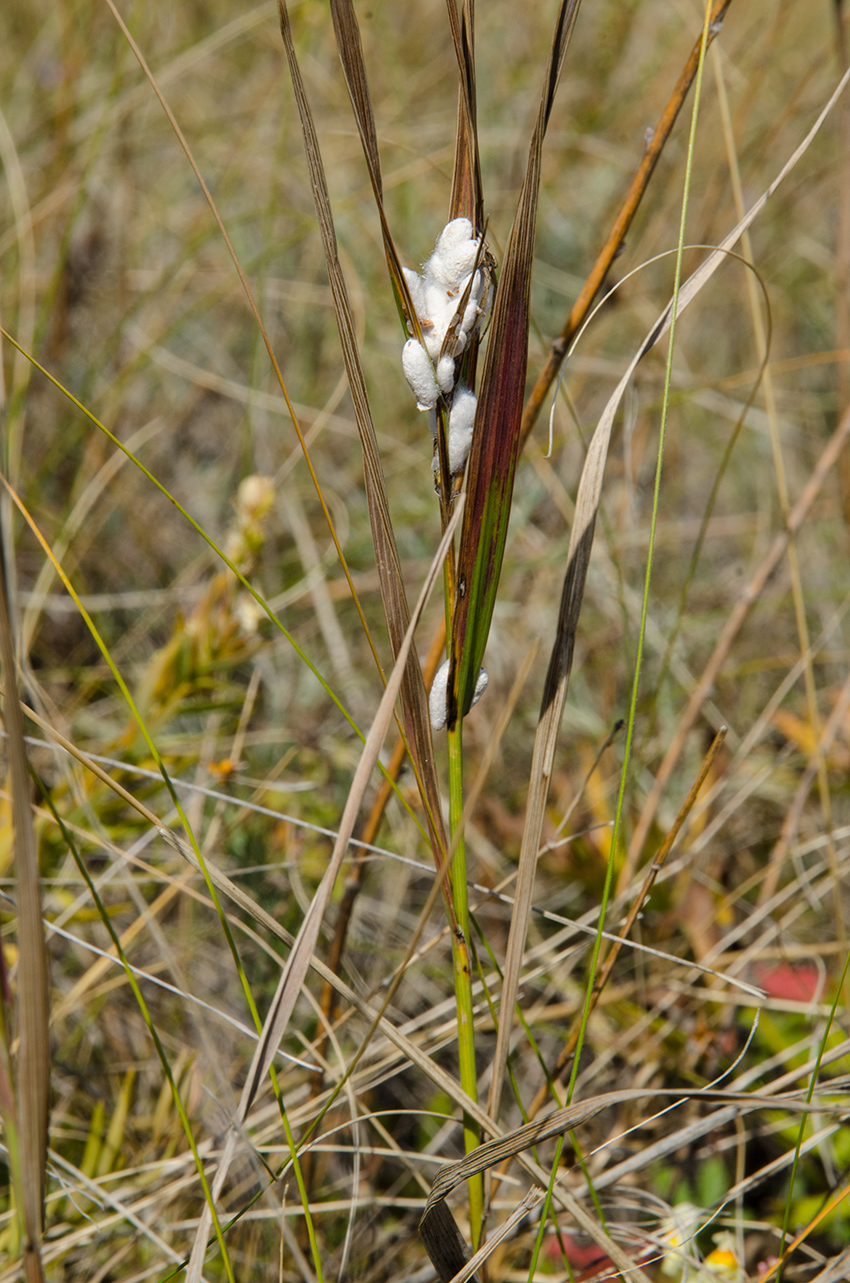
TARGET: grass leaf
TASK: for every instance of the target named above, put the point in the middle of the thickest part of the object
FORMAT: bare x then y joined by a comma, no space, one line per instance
467,199
572,594
513,1143
497,437
33,1061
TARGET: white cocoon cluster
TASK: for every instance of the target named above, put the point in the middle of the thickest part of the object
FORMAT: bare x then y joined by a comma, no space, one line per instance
438,699
419,373
437,293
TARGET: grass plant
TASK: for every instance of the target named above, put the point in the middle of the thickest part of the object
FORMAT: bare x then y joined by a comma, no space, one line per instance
305,973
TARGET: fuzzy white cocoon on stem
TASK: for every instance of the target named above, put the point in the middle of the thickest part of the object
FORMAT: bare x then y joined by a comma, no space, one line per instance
460,426
454,254
446,373
461,423
439,697
417,289
420,374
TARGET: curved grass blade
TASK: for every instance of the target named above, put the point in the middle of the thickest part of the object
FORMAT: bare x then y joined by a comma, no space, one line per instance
350,48
497,437
578,560
433,1226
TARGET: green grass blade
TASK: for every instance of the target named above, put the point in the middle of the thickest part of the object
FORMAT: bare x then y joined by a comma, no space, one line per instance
497,437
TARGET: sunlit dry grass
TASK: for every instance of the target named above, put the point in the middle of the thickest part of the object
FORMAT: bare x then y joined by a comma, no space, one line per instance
116,279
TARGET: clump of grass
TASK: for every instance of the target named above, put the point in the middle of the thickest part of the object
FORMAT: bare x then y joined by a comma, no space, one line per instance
565,989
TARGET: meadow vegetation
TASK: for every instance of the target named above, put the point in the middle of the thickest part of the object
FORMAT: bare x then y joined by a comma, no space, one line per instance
203,709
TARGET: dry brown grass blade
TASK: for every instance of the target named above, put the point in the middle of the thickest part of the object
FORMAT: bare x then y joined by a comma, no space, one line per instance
298,964
33,1005
467,198
496,439
347,33
444,1243
622,223
497,1236
414,700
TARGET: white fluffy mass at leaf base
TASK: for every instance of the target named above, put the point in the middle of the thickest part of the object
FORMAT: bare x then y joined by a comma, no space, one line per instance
449,280
461,423
439,697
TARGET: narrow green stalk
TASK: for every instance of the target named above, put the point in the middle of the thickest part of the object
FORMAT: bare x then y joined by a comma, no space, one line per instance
305,1200
463,971
652,528
603,908
9,1114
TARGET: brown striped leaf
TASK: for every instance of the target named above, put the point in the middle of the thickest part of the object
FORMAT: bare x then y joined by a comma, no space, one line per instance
413,697
497,437
350,49
467,200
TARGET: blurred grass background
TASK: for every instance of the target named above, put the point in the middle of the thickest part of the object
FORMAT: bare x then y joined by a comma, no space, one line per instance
115,278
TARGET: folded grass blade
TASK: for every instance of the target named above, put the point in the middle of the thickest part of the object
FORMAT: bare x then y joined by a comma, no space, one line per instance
512,1144
347,33
467,200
